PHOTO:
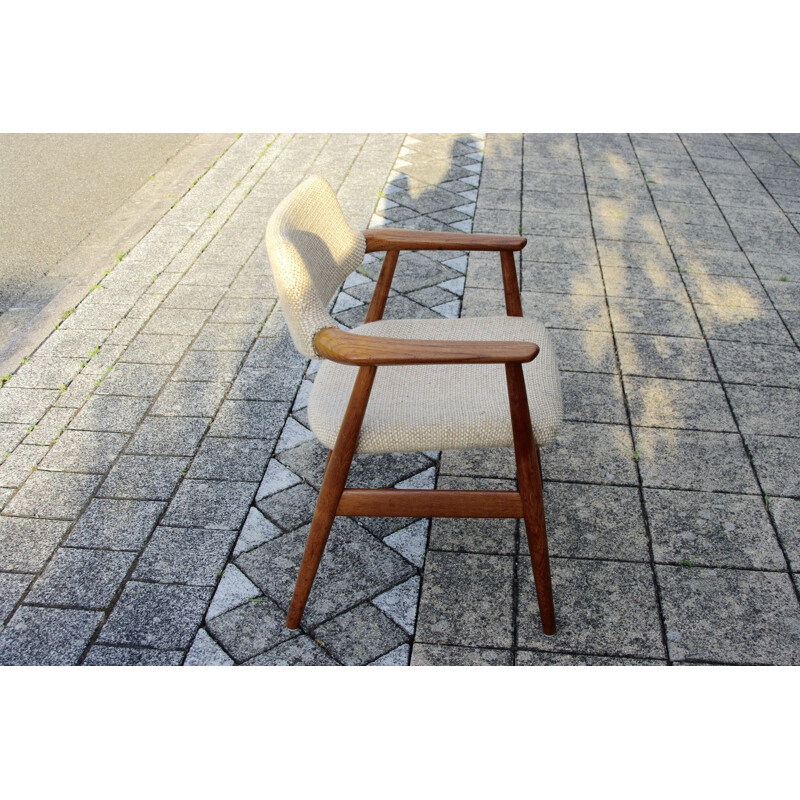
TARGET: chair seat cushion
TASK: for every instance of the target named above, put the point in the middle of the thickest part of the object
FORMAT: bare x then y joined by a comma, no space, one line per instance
441,407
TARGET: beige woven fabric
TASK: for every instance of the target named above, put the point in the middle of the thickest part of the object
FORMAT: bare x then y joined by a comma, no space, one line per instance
312,250
441,407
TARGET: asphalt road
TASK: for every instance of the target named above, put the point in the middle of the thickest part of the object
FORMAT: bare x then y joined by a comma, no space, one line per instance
55,189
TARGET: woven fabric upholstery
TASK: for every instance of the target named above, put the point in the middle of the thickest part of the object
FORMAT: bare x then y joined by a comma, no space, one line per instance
312,250
441,407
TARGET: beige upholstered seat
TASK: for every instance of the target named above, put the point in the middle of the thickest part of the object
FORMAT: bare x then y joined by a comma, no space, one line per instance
442,406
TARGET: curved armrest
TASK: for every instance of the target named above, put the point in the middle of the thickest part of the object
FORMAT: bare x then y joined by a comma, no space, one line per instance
402,239
377,351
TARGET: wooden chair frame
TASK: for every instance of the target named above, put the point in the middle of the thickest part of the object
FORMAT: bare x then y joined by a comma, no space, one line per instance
368,353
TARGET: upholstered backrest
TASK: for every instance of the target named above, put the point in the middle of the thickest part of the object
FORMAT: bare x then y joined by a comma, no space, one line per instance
312,250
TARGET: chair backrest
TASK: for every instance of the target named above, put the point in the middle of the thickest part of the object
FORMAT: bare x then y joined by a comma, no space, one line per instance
312,250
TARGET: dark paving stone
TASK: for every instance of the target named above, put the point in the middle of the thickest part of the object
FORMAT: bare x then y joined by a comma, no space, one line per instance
275,351
592,397
219,505
190,399
104,656
110,413
116,524
664,357
144,477
584,351
466,600
301,651
251,628
47,636
540,276
498,462
26,544
84,451
707,261
760,364
581,312
290,508
647,284
777,463
354,567
80,577
733,616
230,459
154,615
694,460
168,436
709,529
12,587
250,418
186,556
433,655
786,514
743,324
764,410
533,658
57,495
360,635
266,384
602,607
659,317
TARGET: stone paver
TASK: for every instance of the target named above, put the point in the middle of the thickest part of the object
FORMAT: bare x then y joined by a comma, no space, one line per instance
157,472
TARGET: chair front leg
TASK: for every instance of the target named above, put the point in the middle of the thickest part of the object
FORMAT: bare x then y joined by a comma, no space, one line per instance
330,493
529,476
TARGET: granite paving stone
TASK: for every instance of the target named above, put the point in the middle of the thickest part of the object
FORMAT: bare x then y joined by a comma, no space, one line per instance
766,410
786,513
291,507
12,587
54,495
84,451
777,463
225,336
168,436
190,399
205,652
116,524
255,419
45,373
16,467
135,380
659,317
592,397
24,406
394,658
208,365
111,413
757,364
106,656
144,477
176,321
26,544
429,655
301,651
360,635
400,603
230,459
664,357
217,505
534,658
740,324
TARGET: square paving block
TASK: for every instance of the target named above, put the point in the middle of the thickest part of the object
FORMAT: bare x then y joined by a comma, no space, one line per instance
190,399
80,577
786,514
540,276
250,418
230,459
659,317
466,600
707,261
674,459
760,364
499,462
765,410
301,651
777,462
154,615
185,555
740,324
730,616
291,507
16,468
543,223
38,636
355,566
45,373
593,397
194,296
710,529
656,261
144,477
266,384
168,436
662,403
561,249
218,505
603,607
581,312
434,655
55,495
360,635
655,283
720,290
636,227
26,544
116,524
584,351
664,357
110,413
84,451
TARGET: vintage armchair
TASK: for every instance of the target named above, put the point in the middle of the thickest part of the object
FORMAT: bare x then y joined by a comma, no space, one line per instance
412,384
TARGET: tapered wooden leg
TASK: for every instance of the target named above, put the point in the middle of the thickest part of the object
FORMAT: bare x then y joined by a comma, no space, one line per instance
330,493
529,476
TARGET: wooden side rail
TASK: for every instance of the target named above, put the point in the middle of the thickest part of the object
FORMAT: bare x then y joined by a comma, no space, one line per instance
403,239
429,503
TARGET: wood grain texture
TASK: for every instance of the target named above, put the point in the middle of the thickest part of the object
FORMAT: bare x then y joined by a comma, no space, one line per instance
430,503
511,285
381,291
402,239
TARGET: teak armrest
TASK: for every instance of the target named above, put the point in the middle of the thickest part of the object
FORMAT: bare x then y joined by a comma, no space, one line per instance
363,351
402,239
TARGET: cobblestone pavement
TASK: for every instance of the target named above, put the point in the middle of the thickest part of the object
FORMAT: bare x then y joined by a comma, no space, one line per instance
159,475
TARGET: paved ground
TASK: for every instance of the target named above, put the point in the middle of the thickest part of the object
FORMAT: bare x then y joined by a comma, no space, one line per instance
160,475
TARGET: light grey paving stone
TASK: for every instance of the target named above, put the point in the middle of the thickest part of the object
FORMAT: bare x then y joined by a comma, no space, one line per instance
194,296
410,542
251,628
176,321
234,589
400,603
301,651
663,403
785,294
777,462
291,507
466,600
226,337
190,399
242,310
593,397
155,615
53,495
360,635
205,652
725,291
45,373
16,468
135,380
256,530
707,261
591,452
84,451
47,636
540,276
730,616
581,312
498,462
422,480
534,658
230,459
585,521
272,350
786,513
602,607
266,384
276,478
26,544
765,410
25,406
655,261
209,365
394,658
648,284
713,530
250,418
50,426
109,413
354,567
664,357
5,496
558,224
168,436
116,524
184,555
217,505
743,324
435,655
105,656
81,577
12,587
694,460
144,477
561,249
659,317
79,391
76,344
